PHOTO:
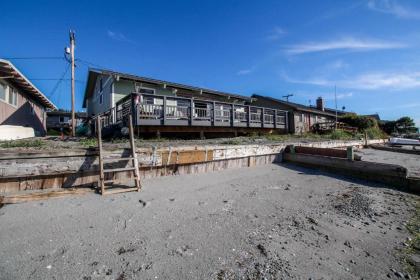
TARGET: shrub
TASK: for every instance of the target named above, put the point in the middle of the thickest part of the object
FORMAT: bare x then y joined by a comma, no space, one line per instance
360,122
375,133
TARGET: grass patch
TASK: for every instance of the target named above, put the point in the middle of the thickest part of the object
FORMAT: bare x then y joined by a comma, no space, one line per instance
413,227
233,141
89,142
33,143
339,134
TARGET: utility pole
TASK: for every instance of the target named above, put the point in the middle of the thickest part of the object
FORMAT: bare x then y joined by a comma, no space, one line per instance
335,98
73,119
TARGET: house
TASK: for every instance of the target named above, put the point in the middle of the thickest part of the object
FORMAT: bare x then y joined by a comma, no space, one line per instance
22,106
163,106
301,118
61,120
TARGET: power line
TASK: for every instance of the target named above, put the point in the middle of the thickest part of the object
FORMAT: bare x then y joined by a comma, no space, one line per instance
88,63
59,81
34,57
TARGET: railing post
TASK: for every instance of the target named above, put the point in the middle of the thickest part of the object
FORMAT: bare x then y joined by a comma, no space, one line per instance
232,116
248,117
133,110
164,110
213,114
275,118
191,111
263,115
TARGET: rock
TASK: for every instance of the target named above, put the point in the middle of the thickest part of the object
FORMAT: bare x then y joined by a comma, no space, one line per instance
312,220
262,249
407,276
347,243
399,274
414,260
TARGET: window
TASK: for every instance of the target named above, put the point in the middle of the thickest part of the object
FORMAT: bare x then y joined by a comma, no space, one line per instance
12,100
147,90
3,88
300,117
61,119
101,98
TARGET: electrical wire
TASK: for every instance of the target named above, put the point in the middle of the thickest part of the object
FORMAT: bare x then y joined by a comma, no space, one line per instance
89,63
58,82
34,57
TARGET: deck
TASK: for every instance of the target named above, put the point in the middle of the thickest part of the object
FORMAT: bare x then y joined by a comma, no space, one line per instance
169,111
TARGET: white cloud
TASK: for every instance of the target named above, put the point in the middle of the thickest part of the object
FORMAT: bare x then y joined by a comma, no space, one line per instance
394,8
347,43
244,72
344,95
118,36
368,81
276,34
338,64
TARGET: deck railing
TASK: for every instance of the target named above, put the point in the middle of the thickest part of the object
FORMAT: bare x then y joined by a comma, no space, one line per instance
149,109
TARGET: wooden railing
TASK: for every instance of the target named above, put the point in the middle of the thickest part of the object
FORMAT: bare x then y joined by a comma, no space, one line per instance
149,109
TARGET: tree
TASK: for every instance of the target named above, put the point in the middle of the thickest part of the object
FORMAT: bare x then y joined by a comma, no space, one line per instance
405,125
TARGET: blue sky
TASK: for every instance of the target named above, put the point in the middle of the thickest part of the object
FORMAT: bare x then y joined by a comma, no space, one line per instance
368,49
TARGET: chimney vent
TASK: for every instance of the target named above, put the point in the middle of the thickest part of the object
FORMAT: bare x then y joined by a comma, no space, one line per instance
320,103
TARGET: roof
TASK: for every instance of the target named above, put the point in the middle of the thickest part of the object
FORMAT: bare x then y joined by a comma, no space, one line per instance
95,72
9,71
300,107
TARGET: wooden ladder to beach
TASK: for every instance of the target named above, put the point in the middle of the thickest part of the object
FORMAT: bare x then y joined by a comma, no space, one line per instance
102,183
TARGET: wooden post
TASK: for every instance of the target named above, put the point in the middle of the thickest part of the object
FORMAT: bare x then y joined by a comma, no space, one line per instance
262,117
134,154
366,139
275,118
73,117
164,110
213,117
191,111
350,153
248,119
232,117
101,183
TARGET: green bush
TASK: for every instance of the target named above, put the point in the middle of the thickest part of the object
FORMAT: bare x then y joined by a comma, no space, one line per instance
360,122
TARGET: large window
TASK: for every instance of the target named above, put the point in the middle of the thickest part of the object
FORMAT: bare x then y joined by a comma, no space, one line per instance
3,91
